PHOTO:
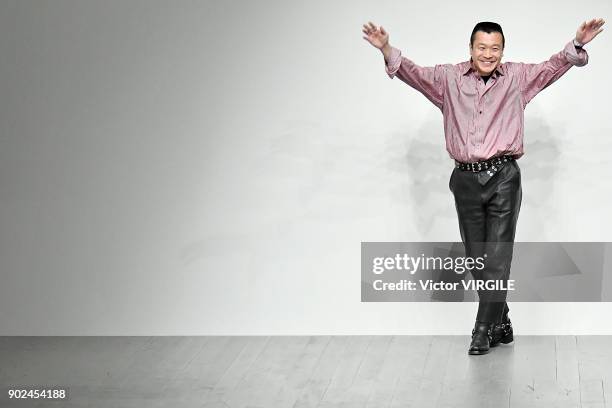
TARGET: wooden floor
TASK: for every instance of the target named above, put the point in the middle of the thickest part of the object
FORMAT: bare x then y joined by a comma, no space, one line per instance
318,371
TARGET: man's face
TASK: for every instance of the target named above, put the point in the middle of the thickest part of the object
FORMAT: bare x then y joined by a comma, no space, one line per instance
486,52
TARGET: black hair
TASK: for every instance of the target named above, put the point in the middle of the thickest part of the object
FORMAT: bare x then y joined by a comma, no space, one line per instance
488,27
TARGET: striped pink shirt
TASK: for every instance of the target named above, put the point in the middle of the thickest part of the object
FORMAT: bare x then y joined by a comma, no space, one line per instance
483,120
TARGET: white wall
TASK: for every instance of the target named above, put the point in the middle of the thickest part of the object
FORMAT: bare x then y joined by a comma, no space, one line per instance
209,168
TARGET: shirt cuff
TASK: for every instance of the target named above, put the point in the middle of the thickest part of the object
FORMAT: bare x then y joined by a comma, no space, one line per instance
395,60
575,56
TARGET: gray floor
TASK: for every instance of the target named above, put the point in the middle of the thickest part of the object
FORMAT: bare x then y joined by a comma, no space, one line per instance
318,371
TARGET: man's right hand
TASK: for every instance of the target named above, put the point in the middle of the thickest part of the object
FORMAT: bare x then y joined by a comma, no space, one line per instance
378,37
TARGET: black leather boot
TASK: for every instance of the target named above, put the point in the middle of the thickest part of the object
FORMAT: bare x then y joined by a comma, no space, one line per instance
481,338
502,332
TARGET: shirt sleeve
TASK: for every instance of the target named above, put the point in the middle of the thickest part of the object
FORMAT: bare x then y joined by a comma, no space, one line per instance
427,80
533,78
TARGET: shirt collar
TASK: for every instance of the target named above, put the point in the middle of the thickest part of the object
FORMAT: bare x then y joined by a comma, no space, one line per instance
467,67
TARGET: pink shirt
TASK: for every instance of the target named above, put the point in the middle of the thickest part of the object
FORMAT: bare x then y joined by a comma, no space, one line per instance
483,120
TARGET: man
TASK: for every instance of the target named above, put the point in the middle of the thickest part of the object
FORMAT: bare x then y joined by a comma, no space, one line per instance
482,103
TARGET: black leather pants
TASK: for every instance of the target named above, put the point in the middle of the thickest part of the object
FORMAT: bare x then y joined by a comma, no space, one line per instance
488,208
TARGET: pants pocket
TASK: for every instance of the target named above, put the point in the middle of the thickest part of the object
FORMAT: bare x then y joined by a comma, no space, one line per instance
452,176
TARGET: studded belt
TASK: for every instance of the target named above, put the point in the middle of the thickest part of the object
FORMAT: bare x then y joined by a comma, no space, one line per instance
491,165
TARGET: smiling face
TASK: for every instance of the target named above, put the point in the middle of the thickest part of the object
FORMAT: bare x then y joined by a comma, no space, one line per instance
486,52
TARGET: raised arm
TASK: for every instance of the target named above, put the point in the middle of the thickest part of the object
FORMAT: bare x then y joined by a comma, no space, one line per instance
427,80
534,78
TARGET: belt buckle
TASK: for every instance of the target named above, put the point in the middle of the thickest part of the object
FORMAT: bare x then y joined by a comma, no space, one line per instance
474,170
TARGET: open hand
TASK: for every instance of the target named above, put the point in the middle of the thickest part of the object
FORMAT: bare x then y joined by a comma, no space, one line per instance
378,37
589,30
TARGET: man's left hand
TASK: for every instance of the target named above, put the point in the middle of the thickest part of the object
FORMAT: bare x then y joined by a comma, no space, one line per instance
589,30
